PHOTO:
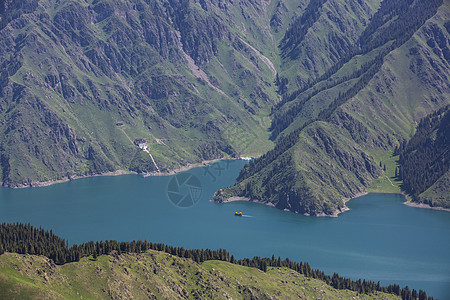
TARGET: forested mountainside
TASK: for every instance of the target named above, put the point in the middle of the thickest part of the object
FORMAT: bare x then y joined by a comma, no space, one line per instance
139,269
81,80
425,161
329,130
316,89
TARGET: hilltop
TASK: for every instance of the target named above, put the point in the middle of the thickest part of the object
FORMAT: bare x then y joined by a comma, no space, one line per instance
157,275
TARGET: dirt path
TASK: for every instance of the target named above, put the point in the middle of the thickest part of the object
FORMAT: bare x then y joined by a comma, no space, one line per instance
151,156
126,135
389,181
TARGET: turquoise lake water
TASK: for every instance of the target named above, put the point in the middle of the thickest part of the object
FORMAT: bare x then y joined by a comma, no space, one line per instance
378,239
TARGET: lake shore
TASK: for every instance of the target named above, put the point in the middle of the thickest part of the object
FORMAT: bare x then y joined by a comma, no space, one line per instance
70,178
234,199
114,173
188,167
426,206
335,214
345,208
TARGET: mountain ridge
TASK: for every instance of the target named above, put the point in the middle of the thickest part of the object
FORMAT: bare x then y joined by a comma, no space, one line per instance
34,260
317,90
371,119
147,87
155,274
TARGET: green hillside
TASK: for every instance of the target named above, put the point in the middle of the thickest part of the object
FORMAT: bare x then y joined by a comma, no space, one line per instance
320,91
424,161
157,275
332,134
112,269
81,80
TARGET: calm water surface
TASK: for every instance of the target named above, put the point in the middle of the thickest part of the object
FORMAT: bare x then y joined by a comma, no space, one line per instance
378,239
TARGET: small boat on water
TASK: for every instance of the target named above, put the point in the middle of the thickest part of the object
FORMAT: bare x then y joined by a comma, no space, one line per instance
238,214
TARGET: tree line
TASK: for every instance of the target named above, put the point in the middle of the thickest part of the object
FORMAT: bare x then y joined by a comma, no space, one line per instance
27,239
369,40
299,28
401,19
426,156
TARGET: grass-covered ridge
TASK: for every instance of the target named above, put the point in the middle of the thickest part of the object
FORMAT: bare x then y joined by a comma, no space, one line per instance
332,132
158,275
108,269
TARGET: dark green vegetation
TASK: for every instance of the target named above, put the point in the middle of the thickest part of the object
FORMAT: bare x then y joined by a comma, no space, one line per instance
425,161
156,275
329,85
71,70
357,104
25,239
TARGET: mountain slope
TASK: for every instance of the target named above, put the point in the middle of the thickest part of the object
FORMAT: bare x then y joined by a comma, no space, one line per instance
325,148
72,70
424,162
156,275
319,90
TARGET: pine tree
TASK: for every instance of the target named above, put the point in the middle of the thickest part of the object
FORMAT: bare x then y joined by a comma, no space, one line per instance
264,266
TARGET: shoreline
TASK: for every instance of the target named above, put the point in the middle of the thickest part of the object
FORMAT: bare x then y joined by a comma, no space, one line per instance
425,206
345,207
187,167
35,184
335,214
114,173
235,199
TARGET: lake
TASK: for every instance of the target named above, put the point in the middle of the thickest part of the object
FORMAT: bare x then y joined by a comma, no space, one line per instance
378,239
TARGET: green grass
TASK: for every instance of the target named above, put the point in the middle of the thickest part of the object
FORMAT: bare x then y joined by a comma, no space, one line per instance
438,193
99,102
387,182
156,274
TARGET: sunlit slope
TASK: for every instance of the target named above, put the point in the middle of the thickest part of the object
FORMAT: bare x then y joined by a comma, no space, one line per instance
156,275
328,134
175,74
